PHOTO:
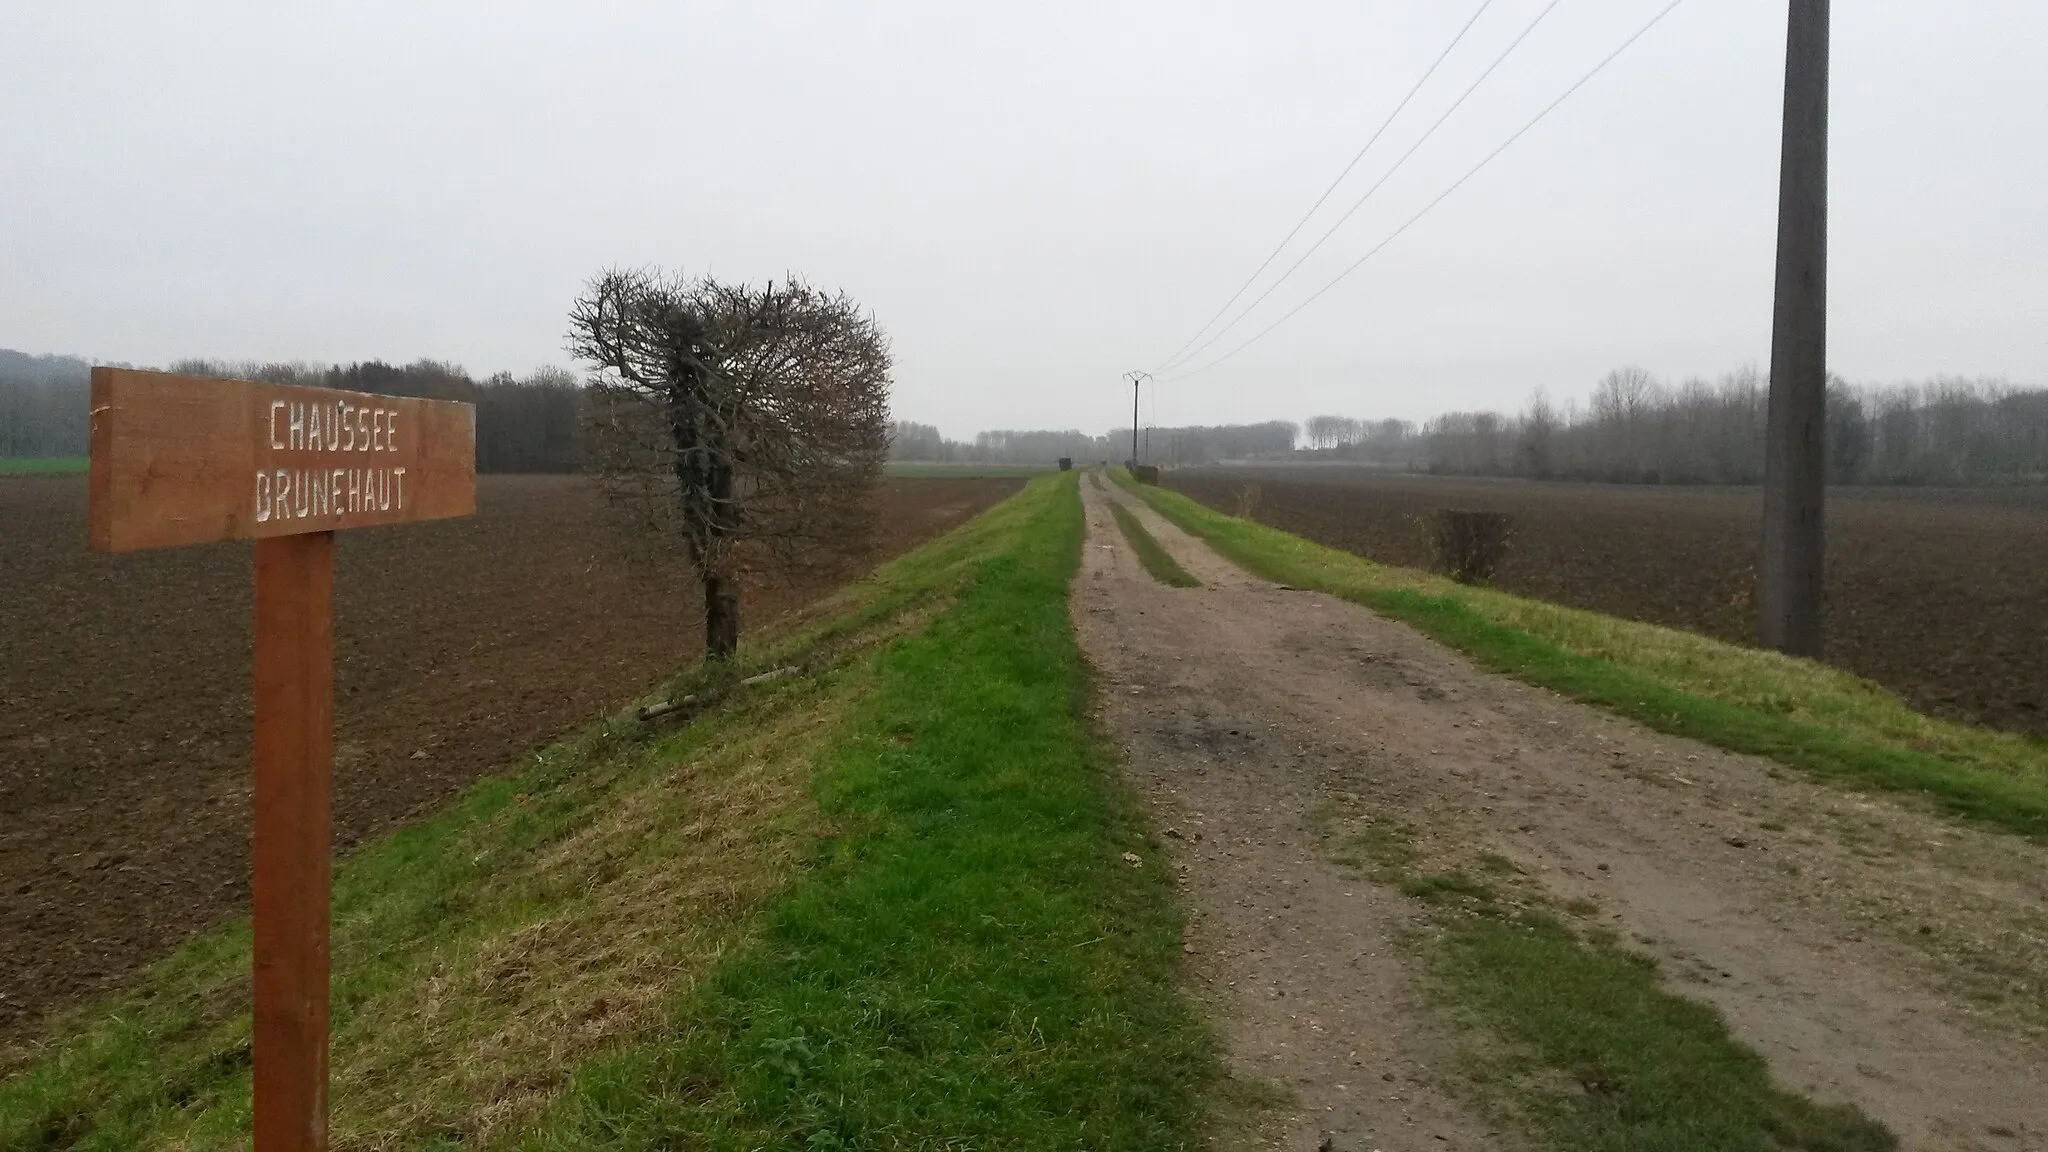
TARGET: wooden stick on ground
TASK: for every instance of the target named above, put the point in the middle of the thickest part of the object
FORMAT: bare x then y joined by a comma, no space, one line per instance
653,711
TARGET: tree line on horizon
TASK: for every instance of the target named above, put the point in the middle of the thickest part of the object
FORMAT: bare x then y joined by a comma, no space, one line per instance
912,442
530,423
1632,428
1637,429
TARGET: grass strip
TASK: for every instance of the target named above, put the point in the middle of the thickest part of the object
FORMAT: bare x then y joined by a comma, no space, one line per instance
1574,1038
983,957
42,465
1800,713
545,916
1156,560
1598,1056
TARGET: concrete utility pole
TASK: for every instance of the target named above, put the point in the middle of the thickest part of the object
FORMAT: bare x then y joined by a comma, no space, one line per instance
1136,379
1795,477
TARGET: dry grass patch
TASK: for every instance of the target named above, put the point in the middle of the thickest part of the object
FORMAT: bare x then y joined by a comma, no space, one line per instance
582,942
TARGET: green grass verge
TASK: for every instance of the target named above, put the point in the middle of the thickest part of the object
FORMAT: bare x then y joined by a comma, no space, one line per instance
1621,1063
1820,719
896,874
1162,566
1573,1038
971,962
921,468
42,465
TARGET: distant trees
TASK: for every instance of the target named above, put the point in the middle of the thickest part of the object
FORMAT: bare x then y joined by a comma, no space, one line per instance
43,405
1536,439
1326,432
525,423
1469,442
1636,429
1631,428
1204,444
532,423
1189,445
911,441
729,414
1005,446
528,423
1955,431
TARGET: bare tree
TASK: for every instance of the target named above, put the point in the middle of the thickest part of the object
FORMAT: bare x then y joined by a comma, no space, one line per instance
728,415
1533,451
1622,403
1325,431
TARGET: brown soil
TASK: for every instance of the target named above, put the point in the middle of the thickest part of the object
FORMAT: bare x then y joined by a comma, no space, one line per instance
1869,951
1934,593
460,646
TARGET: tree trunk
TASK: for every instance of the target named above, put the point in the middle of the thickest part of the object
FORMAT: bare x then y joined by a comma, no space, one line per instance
721,615
721,589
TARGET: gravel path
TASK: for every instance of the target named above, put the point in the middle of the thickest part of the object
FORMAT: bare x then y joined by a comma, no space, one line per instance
1870,951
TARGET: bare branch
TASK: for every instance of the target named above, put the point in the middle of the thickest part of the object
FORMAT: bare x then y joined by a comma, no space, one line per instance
725,415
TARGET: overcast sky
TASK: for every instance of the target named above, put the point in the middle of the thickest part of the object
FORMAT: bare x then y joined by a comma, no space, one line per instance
1034,198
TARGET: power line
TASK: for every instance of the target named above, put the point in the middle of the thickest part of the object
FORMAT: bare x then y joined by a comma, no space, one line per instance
1444,195
1313,208
1388,175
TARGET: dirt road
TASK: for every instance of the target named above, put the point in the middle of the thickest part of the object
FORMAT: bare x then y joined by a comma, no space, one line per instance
1871,952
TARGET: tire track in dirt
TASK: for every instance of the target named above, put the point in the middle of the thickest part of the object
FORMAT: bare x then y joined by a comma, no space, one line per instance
1847,939
1302,965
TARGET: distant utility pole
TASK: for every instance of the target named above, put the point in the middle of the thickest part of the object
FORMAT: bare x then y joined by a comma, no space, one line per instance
1136,379
1795,477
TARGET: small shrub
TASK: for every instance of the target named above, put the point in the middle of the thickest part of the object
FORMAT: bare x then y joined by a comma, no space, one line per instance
1471,545
1248,502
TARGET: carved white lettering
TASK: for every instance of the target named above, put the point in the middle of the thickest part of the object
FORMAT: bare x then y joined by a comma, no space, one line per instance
318,489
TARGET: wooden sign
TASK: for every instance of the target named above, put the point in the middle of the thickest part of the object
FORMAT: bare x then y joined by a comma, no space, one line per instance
191,460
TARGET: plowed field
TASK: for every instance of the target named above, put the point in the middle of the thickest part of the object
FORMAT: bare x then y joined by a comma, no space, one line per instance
125,695
1939,594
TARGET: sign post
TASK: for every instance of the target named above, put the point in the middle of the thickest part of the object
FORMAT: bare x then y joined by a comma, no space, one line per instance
182,460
